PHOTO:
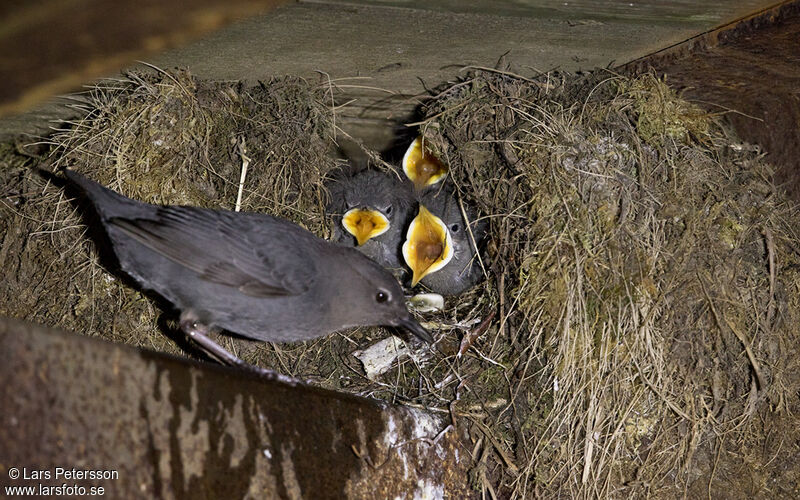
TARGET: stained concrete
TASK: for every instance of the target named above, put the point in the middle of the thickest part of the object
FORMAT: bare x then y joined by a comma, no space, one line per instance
750,72
396,47
174,428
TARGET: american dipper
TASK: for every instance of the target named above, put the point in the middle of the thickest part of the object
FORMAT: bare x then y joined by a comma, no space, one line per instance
372,210
439,247
421,166
251,274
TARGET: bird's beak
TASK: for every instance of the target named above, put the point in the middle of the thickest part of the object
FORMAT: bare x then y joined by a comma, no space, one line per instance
415,328
364,224
421,166
427,247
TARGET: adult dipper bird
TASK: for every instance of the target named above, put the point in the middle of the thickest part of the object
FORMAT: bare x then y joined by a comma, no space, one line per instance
372,210
440,246
251,274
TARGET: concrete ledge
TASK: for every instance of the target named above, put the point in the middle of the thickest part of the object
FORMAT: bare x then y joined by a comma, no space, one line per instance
174,428
753,67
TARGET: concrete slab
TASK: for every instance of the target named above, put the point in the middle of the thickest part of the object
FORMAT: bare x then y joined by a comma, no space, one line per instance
396,47
140,424
674,12
405,46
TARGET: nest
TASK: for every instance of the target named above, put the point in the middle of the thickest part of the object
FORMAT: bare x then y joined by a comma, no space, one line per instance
637,331
644,272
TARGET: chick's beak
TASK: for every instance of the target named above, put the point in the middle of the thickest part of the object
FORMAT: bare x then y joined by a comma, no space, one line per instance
413,327
421,166
427,247
364,223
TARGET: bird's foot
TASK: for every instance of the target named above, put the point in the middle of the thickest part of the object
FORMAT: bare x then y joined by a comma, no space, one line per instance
198,333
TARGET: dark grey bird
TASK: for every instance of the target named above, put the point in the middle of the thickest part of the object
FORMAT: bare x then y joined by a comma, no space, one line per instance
251,274
441,245
371,210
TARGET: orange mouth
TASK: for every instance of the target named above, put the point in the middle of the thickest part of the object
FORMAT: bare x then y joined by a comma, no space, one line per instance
364,224
427,247
421,166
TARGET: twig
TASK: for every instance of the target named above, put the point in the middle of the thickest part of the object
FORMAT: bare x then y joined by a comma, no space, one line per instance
241,150
501,72
470,337
471,235
437,115
750,356
771,253
333,101
497,446
672,406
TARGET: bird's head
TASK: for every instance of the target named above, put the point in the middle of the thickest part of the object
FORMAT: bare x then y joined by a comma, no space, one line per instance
370,295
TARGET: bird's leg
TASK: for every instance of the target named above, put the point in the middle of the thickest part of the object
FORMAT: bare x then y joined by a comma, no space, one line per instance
198,332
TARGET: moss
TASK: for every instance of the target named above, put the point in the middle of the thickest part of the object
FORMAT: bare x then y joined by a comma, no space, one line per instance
639,255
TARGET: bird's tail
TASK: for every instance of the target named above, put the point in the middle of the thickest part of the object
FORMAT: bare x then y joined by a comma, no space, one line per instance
108,203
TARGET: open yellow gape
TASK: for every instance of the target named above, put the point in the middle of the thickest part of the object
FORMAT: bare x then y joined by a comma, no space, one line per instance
364,223
428,247
421,166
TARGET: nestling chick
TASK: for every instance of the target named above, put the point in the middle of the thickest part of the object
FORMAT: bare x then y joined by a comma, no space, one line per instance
371,210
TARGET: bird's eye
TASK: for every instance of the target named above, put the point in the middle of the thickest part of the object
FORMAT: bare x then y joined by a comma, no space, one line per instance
455,228
381,297
388,210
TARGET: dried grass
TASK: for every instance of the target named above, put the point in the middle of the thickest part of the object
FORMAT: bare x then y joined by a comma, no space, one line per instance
644,271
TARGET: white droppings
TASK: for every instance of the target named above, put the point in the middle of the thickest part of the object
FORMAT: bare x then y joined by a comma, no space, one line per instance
425,424
426,302
416,429
267,453
428,490
391,438
379,357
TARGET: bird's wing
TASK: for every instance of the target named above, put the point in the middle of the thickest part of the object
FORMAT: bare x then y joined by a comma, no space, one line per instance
226,249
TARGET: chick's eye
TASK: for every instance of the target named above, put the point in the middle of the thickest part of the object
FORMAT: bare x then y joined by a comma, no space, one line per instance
381,297
455,228
388,210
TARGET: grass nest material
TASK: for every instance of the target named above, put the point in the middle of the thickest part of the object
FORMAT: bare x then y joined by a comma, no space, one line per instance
637,332
644,268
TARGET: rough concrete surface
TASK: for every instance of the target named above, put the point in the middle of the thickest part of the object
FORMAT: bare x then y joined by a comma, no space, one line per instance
407,46
172,428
